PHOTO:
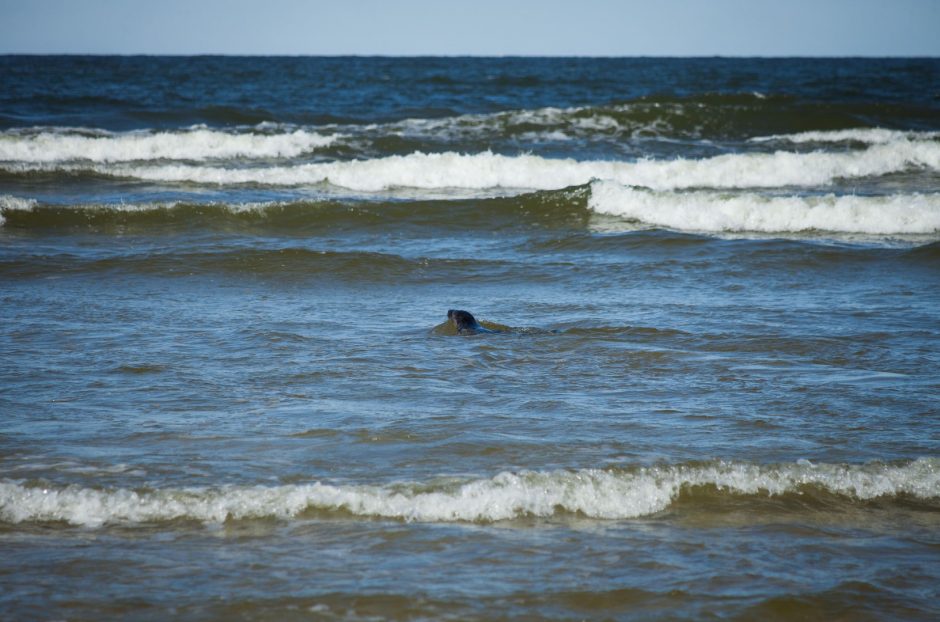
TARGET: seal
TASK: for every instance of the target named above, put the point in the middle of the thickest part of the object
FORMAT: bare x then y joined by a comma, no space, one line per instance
465,322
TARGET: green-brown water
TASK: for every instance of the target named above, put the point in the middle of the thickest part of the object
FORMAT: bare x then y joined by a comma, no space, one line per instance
228,389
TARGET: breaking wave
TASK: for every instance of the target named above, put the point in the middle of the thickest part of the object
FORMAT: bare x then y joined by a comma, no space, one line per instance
531,172
705,116
198,143
870,136
559,206
14,204
694,211
600,494
705,211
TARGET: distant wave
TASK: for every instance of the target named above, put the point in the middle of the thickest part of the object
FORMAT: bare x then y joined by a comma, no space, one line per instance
715,115
62,145
600,494
488,170
313,212
704,117
871,136
548,123
286,263
709,211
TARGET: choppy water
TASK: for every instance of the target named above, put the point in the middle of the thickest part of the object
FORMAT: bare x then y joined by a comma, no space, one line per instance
229,391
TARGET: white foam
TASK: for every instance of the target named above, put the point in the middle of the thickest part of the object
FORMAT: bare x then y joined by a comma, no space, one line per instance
192,144
710,211
530,172
594,493
572,122
473,125
11,203
871,136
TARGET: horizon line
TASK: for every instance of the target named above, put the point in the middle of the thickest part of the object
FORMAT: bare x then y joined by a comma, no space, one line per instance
482,56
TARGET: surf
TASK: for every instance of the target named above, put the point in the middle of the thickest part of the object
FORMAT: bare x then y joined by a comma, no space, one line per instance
606,494
51,145
526,172
715,212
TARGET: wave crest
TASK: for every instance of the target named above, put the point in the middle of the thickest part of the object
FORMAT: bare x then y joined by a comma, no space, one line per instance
487,170
197,143
870,136
704,211
601,494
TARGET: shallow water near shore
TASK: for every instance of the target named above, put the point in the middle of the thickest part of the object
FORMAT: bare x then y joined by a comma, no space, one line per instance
229,390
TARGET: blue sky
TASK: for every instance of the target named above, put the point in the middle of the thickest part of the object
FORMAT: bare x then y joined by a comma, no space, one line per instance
477,27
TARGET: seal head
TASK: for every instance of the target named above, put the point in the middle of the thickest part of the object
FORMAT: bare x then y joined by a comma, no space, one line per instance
465,322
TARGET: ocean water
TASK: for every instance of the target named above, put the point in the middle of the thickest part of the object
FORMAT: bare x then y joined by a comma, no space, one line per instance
229,389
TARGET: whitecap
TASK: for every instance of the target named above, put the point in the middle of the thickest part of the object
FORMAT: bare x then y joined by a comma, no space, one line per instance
531,172
197,143
710,211
595,493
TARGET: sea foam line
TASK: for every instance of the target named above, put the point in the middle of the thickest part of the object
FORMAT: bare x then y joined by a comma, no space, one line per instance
9,203
602,494
704,211
191,144
871,136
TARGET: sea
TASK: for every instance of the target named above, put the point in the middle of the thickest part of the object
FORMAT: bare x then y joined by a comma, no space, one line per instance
229,389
